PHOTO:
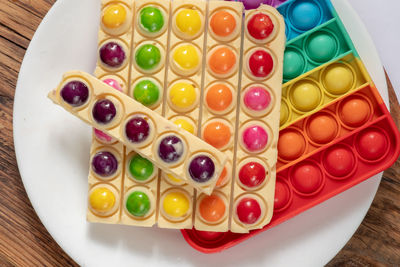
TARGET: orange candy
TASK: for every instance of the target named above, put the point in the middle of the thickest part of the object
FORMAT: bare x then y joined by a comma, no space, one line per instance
222,60
219,97
217,134
212,208
222,177
222,23
291,145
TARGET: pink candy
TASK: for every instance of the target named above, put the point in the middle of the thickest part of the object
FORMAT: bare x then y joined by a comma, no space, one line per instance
255,138
113,83
257,98
101,136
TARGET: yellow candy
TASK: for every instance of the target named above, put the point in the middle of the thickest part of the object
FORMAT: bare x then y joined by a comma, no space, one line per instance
176,204
186,125
114,16
174,179
188,21
186,56
182,95
102,199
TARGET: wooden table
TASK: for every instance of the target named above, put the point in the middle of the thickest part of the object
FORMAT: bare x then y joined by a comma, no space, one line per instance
25,241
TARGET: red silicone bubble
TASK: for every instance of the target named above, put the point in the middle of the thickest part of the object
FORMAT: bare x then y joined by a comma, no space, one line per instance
339,161
283,195
248,210
252,174
209,237
306,178
372,144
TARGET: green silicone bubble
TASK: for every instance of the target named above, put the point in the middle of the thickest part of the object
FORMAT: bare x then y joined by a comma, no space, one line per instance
140,168
146,92
321,47
151,19
138,204
148,56
293,63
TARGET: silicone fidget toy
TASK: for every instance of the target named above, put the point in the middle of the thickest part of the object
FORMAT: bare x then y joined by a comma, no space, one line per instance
335,128
138,127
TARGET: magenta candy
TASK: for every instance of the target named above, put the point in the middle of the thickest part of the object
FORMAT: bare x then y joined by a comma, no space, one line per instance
113,83
137,129
112,54
257,98
102,136
255,138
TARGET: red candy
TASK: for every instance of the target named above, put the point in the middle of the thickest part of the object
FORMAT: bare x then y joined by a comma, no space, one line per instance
248,210
261,63
252,174
260,26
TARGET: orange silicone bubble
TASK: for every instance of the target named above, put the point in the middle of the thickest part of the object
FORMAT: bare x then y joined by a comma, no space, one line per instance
354,111
222,23
212,208
322,128
222,177
291,145
217,134
222,60
219,97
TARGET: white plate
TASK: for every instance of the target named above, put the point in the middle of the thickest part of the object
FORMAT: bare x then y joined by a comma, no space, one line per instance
52,149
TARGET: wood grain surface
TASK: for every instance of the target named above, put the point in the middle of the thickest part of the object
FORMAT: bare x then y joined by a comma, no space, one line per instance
24,241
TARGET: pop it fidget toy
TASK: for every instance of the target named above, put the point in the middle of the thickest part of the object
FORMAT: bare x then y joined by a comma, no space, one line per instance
335,130
139,128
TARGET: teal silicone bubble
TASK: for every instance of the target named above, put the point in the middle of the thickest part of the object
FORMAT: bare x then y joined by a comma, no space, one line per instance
293,63
321,46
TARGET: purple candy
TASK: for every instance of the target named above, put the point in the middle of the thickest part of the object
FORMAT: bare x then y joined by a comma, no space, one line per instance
112,54
170,149
104,111
104,164
75,93
253,4
201,169
137,129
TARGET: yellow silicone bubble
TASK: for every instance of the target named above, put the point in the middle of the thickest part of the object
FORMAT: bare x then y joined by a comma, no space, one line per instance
114,16
338,79
182,95
176,204
184,124
174,179
102,199
188,21
305,95
284,113
187,57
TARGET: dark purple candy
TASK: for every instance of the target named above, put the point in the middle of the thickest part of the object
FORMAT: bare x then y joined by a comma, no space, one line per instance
104,164
75,93
171,149
137,129
112,54
201,169
104,111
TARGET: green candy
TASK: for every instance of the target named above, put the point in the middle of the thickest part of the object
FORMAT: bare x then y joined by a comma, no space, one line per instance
140,168
148,57
138,204
151,19
146,92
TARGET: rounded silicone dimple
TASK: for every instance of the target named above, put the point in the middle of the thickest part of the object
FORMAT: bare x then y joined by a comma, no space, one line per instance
354,111
339,161
182,95
184,123
249,209
291,144
372,144
113,16
322,127
338,79
252,174
175,204
188,22
260,63
283,195
222,61
141,169
305,95
219,97
102,200
305,15
217,133
257,99
208,236
223,23
151,19
321,46
255,137
293,63
212,208
307,178
186,59
284,113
